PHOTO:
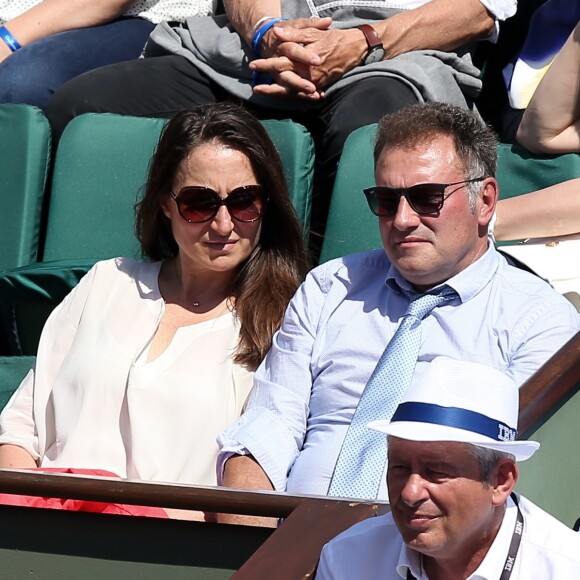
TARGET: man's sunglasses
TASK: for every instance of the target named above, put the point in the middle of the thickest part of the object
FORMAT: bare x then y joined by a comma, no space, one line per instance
424,198
198,204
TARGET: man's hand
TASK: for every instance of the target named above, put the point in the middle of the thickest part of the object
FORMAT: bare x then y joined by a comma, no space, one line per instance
297,73
244,472
289,62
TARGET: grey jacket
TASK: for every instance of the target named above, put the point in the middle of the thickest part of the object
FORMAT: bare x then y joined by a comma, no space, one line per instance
212,45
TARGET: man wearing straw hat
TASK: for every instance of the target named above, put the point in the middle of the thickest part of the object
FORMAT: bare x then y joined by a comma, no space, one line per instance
452,469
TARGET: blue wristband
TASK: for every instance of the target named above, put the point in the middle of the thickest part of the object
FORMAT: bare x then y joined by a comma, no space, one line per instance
8,39
259,34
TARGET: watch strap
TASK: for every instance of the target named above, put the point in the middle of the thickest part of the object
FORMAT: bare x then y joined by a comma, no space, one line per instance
371,36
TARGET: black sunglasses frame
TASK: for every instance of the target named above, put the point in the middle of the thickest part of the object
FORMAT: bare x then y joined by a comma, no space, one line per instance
229,201
373,196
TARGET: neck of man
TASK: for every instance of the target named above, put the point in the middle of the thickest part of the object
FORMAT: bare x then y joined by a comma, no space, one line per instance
467,557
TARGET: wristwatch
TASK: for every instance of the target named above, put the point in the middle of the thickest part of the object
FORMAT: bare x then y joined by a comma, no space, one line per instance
376,51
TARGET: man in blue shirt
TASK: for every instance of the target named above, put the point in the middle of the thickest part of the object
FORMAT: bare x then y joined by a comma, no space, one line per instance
436,193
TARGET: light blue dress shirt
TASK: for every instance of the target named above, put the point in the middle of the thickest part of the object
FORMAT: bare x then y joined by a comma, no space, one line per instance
335,330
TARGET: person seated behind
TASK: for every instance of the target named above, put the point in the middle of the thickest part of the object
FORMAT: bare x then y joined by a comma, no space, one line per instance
307,60
551,121
144,363
451,474
436,192
550,25
45,43
550,212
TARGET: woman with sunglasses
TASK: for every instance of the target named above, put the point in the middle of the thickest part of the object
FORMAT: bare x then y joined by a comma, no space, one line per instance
145,363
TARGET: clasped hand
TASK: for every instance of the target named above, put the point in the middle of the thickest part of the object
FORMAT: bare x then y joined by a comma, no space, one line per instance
304,56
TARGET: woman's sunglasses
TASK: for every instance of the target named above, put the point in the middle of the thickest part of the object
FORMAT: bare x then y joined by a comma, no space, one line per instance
424,198
198,204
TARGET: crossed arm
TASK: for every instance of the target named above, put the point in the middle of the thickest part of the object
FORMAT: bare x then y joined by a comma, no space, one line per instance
53,16
305,56
551,123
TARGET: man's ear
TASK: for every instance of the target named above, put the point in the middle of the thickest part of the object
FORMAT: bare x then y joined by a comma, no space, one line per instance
506,477
487,201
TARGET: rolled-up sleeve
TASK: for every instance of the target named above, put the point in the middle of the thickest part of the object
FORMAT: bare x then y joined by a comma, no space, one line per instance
501,9
273,427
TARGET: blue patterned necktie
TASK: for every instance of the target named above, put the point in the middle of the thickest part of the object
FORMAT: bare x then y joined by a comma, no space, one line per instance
362,458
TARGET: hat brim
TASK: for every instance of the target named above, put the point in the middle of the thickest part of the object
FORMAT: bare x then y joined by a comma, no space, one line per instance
418,431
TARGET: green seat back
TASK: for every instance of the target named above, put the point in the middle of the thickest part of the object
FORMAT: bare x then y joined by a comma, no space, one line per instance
296,148
351,227
101,167
24,163
519,171
99,170
12,370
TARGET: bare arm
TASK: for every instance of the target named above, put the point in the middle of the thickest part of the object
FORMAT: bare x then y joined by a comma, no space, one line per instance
244,14
244,472
52,16
553,211
439,24
14,457
551,123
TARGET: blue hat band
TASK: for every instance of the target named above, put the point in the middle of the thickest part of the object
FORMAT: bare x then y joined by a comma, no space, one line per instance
456,418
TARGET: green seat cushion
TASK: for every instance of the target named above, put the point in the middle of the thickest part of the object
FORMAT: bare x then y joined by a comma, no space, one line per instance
27,297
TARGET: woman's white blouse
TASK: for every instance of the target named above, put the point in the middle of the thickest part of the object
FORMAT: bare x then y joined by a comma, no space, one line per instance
93,401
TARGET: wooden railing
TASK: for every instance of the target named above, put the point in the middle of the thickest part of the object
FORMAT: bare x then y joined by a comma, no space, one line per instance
292,551
550,387
309,522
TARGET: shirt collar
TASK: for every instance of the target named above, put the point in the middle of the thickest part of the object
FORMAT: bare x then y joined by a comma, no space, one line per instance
468,283
493,563
409,559
148,280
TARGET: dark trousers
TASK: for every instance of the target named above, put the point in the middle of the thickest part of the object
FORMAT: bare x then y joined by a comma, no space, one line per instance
33,73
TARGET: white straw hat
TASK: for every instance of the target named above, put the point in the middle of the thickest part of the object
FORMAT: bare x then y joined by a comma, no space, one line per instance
451,400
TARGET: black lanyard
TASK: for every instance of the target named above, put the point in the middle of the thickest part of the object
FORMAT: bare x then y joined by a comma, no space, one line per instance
514,545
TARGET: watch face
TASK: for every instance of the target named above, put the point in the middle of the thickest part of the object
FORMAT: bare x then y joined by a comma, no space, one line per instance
375,54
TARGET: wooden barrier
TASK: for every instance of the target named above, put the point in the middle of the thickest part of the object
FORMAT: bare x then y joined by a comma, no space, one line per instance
47,544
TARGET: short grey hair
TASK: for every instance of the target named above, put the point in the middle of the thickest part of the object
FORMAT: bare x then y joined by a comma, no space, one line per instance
488,459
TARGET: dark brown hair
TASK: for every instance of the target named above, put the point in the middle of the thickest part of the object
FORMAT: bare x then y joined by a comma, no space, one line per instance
475,143
266,281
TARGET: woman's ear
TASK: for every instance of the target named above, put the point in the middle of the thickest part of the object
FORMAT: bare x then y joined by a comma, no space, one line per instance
165,206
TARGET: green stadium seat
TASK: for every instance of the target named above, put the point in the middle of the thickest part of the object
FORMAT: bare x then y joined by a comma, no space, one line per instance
101,166
350,226
519,171
24,165
99,170
12,370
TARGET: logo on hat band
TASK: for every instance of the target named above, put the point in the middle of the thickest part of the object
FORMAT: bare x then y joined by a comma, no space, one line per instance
454,417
